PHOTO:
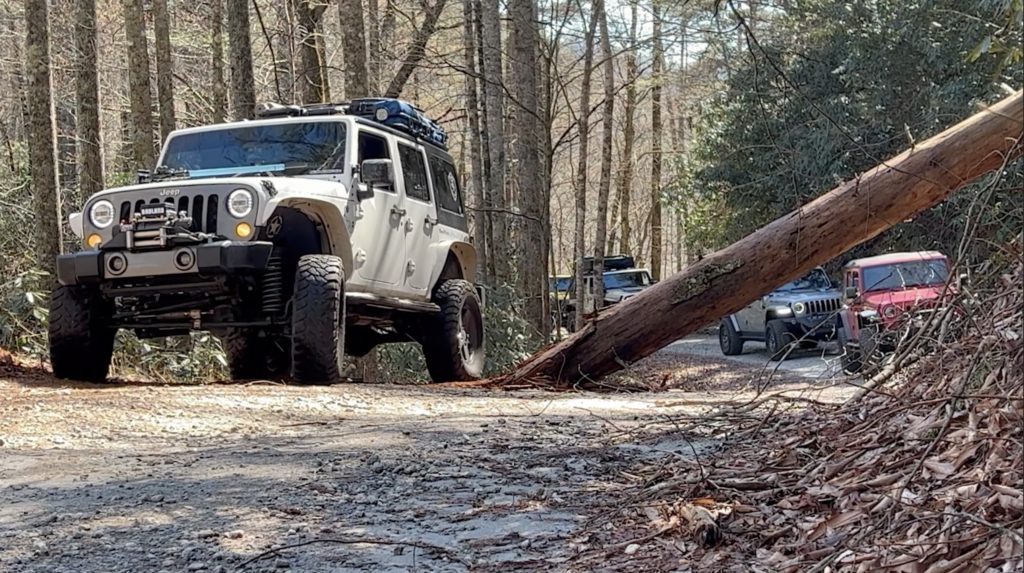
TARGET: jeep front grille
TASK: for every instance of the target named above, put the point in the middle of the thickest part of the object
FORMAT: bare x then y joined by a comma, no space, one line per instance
826,306
202,209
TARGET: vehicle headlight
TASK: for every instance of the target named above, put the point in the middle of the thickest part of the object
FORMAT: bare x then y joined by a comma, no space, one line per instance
101,214
783,311
889,312
799,307
240,203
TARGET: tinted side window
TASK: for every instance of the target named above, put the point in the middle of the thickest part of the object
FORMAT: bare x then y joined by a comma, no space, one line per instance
374,147
414,172
446,185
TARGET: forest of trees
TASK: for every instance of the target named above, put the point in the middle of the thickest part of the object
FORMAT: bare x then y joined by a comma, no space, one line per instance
664,129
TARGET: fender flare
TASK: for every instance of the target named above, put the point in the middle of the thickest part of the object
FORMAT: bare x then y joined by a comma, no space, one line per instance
329,218
463,252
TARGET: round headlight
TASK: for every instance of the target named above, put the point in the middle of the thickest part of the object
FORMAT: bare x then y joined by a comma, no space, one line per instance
101,214
240,203
799,307
889,311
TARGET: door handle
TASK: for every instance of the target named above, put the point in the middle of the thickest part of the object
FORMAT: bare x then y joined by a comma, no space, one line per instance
430,221
398,212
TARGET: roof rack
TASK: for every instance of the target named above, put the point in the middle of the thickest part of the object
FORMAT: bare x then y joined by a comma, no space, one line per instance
391,112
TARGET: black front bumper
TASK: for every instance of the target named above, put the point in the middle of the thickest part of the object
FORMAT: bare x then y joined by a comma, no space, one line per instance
814,327
222,257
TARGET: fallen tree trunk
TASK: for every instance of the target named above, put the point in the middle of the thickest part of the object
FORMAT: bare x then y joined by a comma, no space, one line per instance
729,279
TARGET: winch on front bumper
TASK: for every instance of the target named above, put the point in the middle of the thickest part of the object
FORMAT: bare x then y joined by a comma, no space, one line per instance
158,242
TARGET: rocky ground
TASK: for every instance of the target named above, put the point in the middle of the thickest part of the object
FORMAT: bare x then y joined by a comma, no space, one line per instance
141,477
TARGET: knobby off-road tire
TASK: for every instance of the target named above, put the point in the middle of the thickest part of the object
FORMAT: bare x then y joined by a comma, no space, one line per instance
729,340
252,357
777,340
318,320
453,341
80,341
849,357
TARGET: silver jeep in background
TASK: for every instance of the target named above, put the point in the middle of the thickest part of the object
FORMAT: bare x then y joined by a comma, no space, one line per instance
803,312
298,237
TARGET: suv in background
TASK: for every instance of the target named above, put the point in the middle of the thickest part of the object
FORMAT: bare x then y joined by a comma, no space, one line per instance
298,237
621,280
800,312
887,298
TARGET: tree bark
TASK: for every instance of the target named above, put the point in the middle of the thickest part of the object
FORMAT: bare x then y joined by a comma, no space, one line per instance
624,185
353,46
473,141
373,45
605,183
494,96
138,86
312,77
243,90
219,97
87,100
583,129
846,216
164,67
418,49
42,146
656,67
533,284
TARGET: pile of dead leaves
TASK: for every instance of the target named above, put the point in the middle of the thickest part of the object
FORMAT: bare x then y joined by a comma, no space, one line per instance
924,478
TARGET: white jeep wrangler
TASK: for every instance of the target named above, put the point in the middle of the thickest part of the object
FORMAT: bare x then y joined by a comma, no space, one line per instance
298,237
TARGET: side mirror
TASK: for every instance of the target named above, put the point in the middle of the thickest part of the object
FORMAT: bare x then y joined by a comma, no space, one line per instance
850,292
377,173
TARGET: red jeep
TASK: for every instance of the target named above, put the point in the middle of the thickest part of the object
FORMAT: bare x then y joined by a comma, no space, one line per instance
886,299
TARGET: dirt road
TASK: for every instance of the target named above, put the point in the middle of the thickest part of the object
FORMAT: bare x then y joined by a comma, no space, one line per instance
145,478
821,364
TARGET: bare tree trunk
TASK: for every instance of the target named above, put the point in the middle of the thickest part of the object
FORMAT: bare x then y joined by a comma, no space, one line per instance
353,46
656,68
605,183
87,100
42,147
373,48
284,50
312,76
494,96
476,182
138,86
418,48
533,285
164,67
624,184
219,96
243,91
485,147
728,280
583,128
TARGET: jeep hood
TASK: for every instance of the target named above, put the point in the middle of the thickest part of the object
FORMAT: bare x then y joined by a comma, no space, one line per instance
618,293
281,186
804,295
904,297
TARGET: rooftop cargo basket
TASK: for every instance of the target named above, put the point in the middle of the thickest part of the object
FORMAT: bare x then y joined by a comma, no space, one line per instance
400,115
611,263
394,113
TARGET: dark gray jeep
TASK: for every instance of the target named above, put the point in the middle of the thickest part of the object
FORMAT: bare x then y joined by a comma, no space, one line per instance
801,312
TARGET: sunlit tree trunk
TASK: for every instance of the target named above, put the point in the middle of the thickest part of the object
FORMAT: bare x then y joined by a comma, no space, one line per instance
164,67
476,180
624,184
243,91
605,183
41,132
87,100
353,36
494,96
656,68
583,129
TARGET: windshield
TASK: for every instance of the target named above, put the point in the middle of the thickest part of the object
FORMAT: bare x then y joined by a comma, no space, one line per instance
816,279
626,280
560,284
295,147
903,275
